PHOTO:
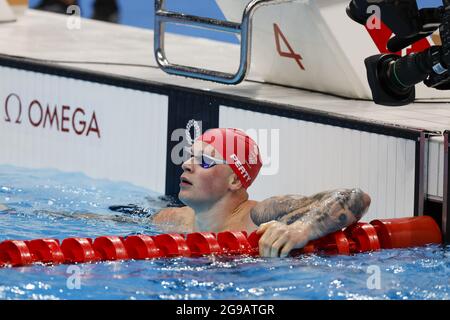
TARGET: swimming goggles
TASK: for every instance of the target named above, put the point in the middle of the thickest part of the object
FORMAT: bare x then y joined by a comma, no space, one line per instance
204,160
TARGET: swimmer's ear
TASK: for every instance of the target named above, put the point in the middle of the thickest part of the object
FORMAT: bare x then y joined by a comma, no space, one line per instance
234,182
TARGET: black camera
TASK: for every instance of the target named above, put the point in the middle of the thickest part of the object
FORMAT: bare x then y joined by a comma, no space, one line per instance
392,78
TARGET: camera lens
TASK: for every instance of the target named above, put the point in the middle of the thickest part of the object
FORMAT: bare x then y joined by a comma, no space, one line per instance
410,69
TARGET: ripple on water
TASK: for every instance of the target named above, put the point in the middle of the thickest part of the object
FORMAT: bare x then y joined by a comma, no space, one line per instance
48,203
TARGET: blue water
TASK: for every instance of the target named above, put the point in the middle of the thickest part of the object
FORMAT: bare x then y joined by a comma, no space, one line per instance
49,203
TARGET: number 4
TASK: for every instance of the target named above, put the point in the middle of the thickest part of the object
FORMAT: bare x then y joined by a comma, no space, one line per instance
291,53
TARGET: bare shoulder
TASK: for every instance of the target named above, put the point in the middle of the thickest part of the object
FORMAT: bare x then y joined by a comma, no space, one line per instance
174,215
3,207
250,204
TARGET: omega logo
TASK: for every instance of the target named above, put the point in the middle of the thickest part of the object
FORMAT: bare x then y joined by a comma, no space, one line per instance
197,131
63,118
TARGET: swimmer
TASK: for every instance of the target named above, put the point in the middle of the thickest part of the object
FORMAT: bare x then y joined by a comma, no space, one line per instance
3,207
223,163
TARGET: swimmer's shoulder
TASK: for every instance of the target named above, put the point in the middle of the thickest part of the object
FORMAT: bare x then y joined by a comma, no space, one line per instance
249,205
3,207
171,215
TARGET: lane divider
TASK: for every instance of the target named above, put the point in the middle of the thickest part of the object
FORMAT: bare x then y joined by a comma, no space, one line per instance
357,238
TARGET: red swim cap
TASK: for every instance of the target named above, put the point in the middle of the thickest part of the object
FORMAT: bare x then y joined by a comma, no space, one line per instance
239,150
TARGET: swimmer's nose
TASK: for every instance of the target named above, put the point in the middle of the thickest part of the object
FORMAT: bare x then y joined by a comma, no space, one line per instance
188,165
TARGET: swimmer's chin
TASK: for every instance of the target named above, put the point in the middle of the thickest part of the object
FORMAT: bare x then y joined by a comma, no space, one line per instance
183,200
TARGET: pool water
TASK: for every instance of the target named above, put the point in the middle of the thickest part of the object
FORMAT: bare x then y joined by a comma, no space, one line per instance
49,203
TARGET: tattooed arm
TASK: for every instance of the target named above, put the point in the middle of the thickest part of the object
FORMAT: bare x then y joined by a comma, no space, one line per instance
290,222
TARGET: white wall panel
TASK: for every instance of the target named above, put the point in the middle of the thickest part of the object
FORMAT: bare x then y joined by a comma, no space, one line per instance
435,172
391,197
433,168
409,178
316,157
440,192
132,124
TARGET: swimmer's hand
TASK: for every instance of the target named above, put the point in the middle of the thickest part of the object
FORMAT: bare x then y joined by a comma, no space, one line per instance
278,239
311,220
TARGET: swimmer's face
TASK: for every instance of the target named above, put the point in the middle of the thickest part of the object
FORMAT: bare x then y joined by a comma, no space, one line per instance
199,186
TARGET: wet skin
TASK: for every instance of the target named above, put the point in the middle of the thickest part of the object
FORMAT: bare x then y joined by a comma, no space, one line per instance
285,222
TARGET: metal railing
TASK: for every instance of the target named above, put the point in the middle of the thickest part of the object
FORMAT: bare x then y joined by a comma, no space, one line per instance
244,29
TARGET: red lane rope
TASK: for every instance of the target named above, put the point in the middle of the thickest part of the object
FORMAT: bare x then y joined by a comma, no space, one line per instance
357,238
